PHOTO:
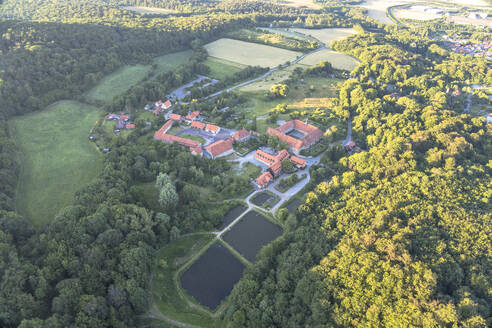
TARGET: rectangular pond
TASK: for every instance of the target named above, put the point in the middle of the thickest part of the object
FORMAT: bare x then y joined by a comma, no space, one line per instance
211,278
293,205
231,215
251,233
263,197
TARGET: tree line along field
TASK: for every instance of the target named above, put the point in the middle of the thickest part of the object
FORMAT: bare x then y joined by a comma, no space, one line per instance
250,54
337,59
123,79
57,157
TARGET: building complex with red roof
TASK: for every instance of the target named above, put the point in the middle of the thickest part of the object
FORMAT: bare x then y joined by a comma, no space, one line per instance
197,125
175,117
274,163
220,148
212,128
193,116
264,179
311,134
162,135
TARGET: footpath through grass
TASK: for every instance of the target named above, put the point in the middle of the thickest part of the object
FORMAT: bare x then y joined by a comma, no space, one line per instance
57,158
165,294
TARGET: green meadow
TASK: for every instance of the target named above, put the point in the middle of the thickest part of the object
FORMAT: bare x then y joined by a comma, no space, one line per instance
57,157
117,83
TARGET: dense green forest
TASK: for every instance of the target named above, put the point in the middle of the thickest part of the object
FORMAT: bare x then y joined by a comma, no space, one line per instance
399,235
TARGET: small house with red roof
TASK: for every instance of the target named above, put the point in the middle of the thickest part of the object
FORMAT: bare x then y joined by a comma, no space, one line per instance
130,126
264,179
212,128
175,117
197,151
241,135
124,117
167,104
193,116
197,125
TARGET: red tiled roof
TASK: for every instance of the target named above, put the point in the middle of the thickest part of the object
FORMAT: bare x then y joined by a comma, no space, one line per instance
264,179
163,129
124,117
198,125
241,134
219,147
193,115
197,150
298,161
167,104
211,127
276,167
167,138
130,126
312,134
157,110
175,117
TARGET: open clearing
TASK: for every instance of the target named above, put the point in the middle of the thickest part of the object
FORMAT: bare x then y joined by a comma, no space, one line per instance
150,10
415,14
118,82
169,62
57,157
251,54
210,279
251,233
326,35
221,69
337,59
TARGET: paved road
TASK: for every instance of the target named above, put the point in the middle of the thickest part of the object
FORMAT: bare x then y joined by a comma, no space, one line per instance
181,92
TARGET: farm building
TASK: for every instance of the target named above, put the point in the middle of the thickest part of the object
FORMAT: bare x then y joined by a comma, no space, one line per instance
220,148
167,138
167,104
270,159
311,135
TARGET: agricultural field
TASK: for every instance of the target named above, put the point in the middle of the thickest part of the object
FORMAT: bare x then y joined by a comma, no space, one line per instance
221,69
169,62
167,297
279,40
242,52
326,35
376,9
117,83
289,33
414,14
337,59
57,157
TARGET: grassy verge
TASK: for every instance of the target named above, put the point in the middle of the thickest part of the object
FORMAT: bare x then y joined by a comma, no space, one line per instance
166,294
57,158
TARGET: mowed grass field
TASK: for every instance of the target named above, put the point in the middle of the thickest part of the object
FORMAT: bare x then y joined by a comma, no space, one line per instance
57,158
326,35
169,62
118,82
337,59
251,54
221,69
